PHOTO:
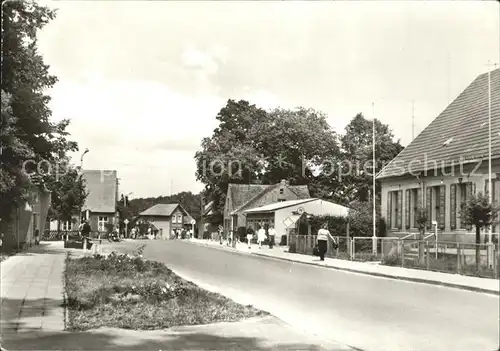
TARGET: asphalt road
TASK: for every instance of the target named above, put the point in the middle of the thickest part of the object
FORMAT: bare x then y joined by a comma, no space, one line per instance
368,313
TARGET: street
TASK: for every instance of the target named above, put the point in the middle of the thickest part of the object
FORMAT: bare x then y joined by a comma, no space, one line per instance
365,312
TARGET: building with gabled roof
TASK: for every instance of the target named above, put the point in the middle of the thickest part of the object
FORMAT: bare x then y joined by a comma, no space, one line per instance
167,218
100,206
446,163
241,197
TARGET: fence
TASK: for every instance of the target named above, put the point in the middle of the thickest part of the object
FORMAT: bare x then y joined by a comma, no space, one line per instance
60,235
304,244
409,252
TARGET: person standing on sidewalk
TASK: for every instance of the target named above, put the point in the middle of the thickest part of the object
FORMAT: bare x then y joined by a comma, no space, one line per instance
261,236
37,236
323,235
86,234
272,235
249,237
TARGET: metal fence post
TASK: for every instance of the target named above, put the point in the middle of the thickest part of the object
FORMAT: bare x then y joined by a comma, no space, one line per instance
402,245
427,255
495,261
353,248
459,259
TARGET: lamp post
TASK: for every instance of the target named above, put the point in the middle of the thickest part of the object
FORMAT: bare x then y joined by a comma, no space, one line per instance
490,194
81,175
126,220
81,158
374,238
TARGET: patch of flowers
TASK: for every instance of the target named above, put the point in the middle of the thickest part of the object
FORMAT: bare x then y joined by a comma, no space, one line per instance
146,286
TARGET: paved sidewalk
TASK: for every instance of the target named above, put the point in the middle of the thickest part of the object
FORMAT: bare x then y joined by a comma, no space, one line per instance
485,285
32,291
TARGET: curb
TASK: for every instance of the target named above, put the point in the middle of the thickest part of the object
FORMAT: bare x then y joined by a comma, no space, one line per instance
381,275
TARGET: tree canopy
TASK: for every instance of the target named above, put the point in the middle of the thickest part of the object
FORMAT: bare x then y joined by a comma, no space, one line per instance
26,130
357,152
251,145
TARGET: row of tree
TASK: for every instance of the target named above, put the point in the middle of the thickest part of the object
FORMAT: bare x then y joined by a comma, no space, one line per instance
251,145
28,137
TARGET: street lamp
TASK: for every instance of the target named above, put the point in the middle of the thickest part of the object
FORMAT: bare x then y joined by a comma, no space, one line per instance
81,175
81,158
374,234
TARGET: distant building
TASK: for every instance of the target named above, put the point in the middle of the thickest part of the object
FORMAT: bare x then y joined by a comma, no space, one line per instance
445,164
241,197
101,203
167,217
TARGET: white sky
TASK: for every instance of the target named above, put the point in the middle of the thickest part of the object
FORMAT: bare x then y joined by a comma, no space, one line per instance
142,81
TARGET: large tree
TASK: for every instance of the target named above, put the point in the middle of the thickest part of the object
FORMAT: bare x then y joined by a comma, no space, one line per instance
27,132
357,164
68,191
254,146
231,155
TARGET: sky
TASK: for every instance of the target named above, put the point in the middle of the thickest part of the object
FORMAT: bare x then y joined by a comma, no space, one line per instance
142,81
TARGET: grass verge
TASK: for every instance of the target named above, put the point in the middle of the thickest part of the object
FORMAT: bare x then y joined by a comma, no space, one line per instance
126,291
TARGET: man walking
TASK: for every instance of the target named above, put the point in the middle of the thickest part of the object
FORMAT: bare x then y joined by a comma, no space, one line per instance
85,232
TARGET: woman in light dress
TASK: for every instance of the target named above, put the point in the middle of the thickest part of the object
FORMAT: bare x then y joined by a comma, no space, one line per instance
261,236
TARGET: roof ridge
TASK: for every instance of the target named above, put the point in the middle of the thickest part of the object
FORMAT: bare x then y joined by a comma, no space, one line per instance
264,191
469,106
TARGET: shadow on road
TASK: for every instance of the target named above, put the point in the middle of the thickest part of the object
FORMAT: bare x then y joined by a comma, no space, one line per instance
110,340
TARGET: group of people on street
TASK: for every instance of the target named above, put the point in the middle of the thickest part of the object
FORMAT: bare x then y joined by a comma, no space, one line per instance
262,235
182,233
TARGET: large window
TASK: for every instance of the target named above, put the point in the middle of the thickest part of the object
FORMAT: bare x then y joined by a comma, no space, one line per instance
394,207
462,200
101,223
415,204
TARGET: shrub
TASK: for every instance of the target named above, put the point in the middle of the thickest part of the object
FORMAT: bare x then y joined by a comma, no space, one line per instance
392,260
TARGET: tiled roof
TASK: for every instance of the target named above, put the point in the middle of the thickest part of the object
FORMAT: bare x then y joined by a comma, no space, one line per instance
246,194
279,205
242,193
160,210
458,134
102,188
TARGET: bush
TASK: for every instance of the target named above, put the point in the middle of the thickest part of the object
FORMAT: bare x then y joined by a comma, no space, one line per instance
336,224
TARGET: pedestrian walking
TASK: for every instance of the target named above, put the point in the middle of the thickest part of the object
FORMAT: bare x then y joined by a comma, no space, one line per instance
37,236
85,233
323,235
272,235
249,237
261,236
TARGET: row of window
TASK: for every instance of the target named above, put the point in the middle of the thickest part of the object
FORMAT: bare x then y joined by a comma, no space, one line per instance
177,219
101,224
434,202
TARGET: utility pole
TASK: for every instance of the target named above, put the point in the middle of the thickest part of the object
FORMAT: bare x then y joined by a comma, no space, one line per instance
449,77
373,191
412,120
81,175
490,190
202,219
